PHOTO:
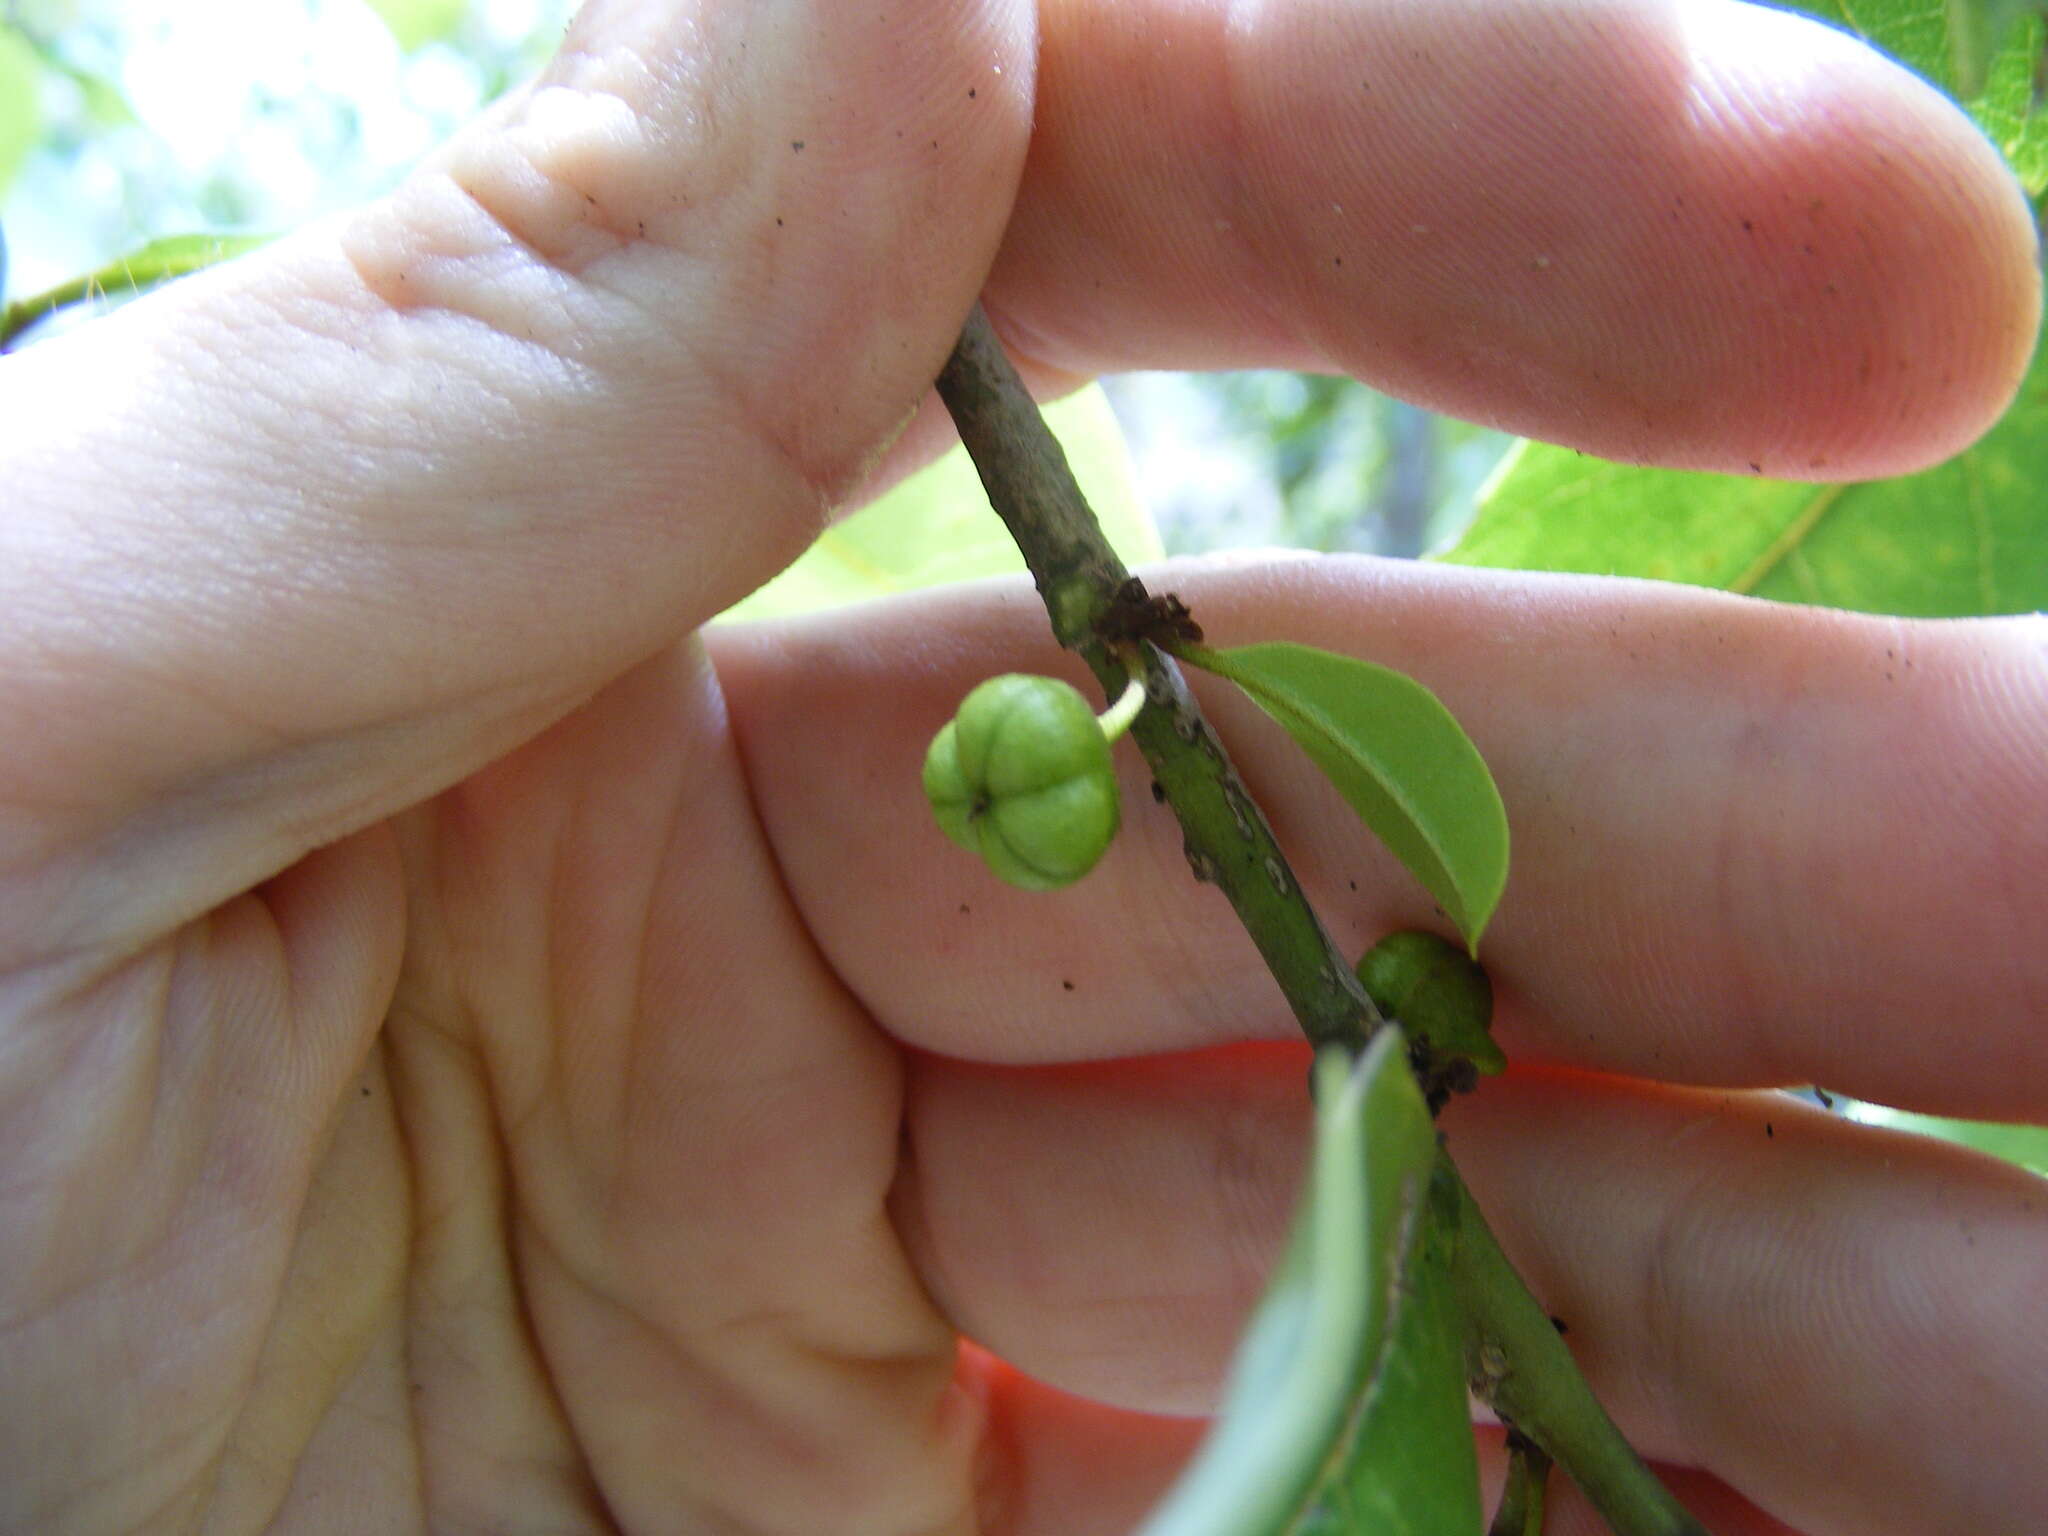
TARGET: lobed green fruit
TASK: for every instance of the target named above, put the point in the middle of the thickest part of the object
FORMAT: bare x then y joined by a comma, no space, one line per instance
1437,993
1022,775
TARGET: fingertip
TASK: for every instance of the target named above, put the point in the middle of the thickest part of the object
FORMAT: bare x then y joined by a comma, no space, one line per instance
1691,232
1886,256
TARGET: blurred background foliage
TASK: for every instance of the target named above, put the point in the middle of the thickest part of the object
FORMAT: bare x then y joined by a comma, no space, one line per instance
125,120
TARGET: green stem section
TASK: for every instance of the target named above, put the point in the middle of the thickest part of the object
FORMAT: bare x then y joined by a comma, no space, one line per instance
1520,1512
1225,835
1516,1359
1519,1364
155,264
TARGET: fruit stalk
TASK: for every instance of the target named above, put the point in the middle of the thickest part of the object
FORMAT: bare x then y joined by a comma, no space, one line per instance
1226,838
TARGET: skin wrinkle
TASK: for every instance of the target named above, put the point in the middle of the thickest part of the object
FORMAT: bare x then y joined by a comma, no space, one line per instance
481,550
499,1298
1740,1224
1717,657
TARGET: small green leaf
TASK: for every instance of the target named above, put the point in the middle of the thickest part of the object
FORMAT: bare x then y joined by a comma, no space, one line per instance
1396,755
1324,1344
937,527
1406,1465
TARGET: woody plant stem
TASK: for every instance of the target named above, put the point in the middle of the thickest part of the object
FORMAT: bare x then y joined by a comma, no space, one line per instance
1514,1357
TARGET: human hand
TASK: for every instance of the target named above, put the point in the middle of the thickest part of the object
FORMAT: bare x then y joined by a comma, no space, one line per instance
477,1057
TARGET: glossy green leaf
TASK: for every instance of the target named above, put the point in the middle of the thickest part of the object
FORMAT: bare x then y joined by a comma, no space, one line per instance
1321,1339
937,527
149,266
1396,755
2026,1145
416,23
1967,537
21,115
1406,1465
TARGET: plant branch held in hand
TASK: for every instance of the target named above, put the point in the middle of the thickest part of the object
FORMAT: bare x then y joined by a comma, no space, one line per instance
1101,613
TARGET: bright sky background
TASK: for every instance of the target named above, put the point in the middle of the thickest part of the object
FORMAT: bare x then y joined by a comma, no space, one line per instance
258,114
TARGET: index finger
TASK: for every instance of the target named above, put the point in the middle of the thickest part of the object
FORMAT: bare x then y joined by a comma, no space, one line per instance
1753,844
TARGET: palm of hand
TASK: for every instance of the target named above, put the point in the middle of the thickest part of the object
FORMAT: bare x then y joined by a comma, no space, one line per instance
597,1233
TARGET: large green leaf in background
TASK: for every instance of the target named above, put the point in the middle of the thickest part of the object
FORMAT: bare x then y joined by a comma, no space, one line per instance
1345,1411
937,526
1981,52
1966,537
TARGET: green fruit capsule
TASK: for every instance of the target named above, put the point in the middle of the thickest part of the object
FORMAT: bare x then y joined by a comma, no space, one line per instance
1437,994
1022,776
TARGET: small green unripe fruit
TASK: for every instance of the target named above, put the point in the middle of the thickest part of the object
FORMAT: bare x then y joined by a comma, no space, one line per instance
1437,993
1023,777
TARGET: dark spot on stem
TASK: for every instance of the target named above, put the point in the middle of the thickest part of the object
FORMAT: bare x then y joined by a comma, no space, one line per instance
1133,614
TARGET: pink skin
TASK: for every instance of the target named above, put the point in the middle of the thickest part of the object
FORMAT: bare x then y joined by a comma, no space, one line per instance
475,1056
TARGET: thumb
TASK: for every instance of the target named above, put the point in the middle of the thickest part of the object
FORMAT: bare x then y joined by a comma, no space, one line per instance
301,540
